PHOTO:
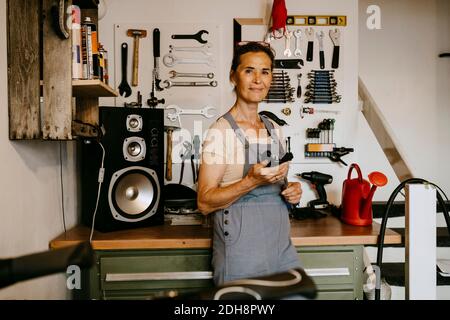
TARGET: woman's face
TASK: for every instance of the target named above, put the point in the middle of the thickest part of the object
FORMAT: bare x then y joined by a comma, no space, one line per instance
252,77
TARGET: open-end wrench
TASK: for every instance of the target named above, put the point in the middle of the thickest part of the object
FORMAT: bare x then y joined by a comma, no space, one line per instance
169,84
207,112
320,35
197,36
170,60
124,87
310,51
298,37
335,36
203,49
173,74
287,51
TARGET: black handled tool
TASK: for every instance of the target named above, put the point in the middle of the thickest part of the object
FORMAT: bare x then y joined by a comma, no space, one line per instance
197,36
124,87
319,180
310,51
335,36
288,63
156,55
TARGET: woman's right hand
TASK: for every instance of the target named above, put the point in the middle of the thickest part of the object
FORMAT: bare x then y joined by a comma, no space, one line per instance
260,174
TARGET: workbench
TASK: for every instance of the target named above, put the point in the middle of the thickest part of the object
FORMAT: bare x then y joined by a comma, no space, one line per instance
148,262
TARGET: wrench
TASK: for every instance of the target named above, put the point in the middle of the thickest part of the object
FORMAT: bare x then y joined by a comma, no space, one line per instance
310,51
170,84
170,60
207,112
197,36
203,49
320,36
298,37
335,36
174,74
287,51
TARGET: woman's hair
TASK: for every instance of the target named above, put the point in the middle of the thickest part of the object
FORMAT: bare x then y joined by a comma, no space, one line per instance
251,46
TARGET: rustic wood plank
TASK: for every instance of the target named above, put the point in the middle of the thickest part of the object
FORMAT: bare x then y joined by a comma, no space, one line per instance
57,77
87,110
23,69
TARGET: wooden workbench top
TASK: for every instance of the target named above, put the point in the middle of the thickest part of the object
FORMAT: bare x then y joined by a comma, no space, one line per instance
321,232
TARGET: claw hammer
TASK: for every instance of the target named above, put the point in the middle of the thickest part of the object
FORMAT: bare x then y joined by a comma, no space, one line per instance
136,34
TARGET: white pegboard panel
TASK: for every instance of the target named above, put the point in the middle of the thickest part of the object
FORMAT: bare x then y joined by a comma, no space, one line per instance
184,97
298,124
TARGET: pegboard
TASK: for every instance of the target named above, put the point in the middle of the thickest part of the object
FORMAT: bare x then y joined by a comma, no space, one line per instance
297,122
184,97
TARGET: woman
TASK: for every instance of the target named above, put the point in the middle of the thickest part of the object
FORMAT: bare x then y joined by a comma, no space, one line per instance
248,198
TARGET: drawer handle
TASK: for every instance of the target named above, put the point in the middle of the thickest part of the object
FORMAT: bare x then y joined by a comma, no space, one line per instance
327,272
149,276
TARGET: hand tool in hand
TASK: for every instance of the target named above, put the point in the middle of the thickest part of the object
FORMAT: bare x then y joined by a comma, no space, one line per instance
197,36
320,35
124,87
335,36
136,35
310,51
186,154
169,130
156,55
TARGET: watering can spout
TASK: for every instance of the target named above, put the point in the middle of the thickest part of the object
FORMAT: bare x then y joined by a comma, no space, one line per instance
377,179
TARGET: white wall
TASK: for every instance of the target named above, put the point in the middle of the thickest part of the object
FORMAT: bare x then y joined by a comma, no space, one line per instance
400,66
30,195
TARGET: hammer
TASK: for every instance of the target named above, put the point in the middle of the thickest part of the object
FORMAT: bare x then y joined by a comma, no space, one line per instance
136,34
169,130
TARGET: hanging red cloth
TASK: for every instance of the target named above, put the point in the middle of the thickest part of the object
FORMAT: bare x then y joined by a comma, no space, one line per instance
279,16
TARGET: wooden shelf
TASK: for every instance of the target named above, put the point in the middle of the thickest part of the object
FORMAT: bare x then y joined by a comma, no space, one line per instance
92,88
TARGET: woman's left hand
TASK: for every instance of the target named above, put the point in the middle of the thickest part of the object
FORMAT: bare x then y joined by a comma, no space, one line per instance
293,192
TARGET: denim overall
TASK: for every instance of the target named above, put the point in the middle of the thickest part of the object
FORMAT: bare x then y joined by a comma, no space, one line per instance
252,236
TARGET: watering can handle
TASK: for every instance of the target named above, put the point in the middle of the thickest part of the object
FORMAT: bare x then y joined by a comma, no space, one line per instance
358,170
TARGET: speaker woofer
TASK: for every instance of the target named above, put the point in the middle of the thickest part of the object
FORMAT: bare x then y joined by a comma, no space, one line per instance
134,149
134,194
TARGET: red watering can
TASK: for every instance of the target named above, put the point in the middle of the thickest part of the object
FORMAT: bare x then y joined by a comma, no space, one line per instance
357,197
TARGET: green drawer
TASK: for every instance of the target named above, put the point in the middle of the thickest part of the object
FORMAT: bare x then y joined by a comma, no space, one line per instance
155,270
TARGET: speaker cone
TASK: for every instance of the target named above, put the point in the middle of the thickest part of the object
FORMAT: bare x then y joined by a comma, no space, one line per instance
134,194
134,123
134,149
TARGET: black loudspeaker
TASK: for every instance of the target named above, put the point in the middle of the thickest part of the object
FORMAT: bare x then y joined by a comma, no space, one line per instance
131,195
